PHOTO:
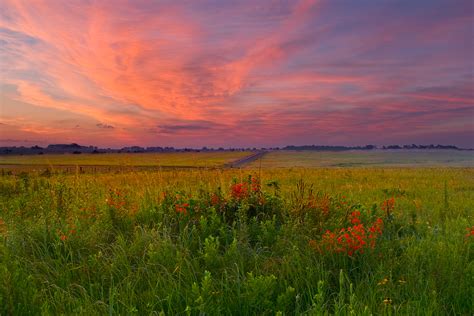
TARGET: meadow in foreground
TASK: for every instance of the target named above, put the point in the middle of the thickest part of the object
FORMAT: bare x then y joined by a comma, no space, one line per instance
270,241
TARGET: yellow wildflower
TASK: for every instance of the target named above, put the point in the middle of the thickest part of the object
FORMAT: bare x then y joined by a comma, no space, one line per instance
383,282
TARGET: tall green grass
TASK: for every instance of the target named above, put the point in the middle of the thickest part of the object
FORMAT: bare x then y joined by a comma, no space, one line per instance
120,244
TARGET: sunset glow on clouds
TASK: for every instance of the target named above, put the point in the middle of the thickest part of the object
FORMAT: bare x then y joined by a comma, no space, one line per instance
243,73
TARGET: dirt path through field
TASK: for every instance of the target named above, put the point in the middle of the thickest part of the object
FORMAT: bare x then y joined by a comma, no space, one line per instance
245,160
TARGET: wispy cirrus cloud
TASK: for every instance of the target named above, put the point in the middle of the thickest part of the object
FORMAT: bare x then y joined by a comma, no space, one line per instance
246,73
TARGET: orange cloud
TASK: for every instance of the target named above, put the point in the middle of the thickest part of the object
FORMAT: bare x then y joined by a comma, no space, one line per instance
207,73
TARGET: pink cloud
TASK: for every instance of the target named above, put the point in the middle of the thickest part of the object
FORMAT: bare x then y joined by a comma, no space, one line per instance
226,74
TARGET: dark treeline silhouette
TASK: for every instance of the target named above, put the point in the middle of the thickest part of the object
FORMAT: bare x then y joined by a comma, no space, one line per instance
329,148
371,147
78,149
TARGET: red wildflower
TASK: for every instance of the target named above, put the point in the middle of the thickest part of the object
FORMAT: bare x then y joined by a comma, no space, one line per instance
343,202
388,205
354,217
215,199
116,199
255,185
375,231
239,191
182,208
350,240
470,232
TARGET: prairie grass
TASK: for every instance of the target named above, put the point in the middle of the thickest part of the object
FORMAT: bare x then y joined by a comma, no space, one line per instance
238,242
174,159
361,158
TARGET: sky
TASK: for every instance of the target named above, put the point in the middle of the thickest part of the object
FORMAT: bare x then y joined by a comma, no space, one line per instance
236,73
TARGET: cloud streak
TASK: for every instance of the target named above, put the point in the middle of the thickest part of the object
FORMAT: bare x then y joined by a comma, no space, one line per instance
236,74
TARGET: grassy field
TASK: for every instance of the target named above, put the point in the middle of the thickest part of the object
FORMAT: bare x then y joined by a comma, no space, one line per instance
310,159
178,159
228,241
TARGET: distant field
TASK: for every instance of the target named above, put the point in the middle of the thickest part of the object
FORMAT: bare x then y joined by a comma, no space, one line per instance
308,159
183,159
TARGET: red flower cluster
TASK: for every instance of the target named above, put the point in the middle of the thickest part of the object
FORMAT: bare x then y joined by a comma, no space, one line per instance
182,208
470,232
243,190
354,217
65,235
351,240
215,199
388,205
255,185
375,231
116,199
239,191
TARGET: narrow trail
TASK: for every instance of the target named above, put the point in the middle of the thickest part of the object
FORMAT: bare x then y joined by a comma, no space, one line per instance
245,160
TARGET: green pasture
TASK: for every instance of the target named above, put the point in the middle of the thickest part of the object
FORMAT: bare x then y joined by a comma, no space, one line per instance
379,158
236,242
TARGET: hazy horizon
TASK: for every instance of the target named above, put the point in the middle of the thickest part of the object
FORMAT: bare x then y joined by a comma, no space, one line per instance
236,74
349,147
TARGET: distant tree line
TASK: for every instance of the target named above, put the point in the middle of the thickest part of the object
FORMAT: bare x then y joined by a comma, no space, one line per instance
329,148
78,149
371,147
